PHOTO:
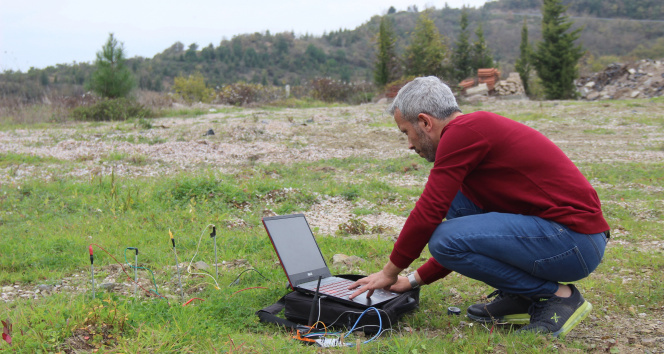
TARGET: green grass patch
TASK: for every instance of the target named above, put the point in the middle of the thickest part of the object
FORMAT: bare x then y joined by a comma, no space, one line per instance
600,131
12,159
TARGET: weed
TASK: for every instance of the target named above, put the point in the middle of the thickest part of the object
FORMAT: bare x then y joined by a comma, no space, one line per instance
354,226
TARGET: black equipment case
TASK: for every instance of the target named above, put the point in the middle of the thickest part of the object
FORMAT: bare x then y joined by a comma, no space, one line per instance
335,314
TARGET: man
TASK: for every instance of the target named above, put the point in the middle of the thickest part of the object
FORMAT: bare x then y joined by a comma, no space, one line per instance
520,216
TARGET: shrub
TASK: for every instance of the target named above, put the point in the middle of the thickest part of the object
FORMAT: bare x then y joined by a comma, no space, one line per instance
242,93
392,88
329,90
155,100
193,89
112,109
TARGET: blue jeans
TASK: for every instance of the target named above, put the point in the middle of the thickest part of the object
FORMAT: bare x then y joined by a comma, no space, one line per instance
518,254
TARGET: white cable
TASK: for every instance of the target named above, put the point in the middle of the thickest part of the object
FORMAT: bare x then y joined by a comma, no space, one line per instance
192,258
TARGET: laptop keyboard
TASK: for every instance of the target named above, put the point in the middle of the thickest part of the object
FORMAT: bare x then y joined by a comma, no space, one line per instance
332,286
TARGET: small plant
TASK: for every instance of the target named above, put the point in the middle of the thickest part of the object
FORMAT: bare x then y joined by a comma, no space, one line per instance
7,331
144,123
102,326
354,226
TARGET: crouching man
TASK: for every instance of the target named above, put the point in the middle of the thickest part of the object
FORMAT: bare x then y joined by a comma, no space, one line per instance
519,215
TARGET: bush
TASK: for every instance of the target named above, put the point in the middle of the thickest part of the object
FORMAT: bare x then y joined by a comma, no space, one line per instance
193,89
392,88
242,93
329,90
112,109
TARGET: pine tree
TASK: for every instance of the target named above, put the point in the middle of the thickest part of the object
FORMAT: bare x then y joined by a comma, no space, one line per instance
461,58
557,56
387,62
112,78
427,52
523,63
481,53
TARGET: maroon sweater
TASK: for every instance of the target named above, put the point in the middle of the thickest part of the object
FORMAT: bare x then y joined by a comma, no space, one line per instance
502,166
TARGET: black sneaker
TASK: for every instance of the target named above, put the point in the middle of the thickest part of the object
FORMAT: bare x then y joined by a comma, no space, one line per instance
505,308
557,315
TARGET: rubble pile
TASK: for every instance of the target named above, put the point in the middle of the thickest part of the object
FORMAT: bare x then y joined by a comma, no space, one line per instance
640,79
510,86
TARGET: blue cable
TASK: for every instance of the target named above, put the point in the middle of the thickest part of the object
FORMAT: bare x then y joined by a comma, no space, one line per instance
380,324
156,291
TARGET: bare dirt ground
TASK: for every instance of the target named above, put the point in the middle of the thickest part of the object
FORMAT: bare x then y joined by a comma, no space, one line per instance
601,132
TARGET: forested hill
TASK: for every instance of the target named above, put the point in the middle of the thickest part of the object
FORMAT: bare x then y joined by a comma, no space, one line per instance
628,9
349,54
288,58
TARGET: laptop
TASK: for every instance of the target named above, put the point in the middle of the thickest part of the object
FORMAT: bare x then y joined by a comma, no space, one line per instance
304,264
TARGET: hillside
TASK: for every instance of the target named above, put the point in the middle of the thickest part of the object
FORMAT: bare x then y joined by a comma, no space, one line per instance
348,55
625,9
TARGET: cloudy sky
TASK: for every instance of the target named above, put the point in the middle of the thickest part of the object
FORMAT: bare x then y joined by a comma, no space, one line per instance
40,33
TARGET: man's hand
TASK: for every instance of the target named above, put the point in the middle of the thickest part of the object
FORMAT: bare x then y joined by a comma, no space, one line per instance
402,285
381,280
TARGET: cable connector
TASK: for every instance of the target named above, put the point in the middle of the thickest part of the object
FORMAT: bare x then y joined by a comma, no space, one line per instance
92,258
172,238
213,234
331,342
133,248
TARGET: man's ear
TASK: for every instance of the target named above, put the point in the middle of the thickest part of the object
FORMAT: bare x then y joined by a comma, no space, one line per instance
426,121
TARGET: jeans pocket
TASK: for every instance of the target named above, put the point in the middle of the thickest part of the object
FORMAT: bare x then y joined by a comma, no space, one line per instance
567,266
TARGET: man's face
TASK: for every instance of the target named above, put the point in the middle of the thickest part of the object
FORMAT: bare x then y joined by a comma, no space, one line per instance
418,139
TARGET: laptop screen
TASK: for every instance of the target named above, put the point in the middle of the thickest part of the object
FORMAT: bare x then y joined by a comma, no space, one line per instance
296,247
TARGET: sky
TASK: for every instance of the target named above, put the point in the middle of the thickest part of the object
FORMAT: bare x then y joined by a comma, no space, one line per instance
41,33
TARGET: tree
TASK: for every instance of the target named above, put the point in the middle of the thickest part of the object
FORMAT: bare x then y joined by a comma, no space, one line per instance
112,78
391,10
387,63
190,55
523,62
557,56
481,54
427,52
461,58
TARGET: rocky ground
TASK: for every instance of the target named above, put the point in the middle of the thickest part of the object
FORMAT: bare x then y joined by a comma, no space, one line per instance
641,79
610,132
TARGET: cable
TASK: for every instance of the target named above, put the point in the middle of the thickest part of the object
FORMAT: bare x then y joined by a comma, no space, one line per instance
196,253
190,300
253,287
380,324
156,291
237,279
125,271
357,312
353,328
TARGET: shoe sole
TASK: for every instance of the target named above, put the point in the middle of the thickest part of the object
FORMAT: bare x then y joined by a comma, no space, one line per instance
519,318
579,315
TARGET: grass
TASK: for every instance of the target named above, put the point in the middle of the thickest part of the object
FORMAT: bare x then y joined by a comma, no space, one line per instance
47,227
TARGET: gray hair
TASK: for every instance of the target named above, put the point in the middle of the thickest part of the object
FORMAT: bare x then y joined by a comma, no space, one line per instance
425,95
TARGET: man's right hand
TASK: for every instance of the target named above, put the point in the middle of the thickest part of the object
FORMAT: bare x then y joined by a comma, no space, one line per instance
402,285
